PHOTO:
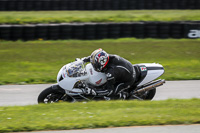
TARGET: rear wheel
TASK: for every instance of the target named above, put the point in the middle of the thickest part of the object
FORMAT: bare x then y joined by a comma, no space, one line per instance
148,95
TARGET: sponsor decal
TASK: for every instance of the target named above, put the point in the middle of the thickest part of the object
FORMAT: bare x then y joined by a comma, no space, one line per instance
143,68
91,71
98,82
65,74
194,34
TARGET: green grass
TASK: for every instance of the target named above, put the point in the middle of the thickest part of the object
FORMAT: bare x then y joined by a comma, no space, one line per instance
62,116
40,61
11,17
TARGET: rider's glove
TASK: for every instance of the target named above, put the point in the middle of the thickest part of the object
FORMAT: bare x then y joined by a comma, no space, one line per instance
84,59
77,59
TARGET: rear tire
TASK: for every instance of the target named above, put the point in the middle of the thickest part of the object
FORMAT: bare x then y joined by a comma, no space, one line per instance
150,94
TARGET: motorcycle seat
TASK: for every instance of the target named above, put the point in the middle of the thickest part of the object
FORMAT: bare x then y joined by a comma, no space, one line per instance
137,73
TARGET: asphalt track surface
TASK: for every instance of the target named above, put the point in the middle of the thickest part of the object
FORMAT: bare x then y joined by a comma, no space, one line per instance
139,129
27,94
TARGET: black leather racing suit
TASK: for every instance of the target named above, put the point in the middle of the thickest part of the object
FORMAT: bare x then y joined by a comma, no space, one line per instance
120,75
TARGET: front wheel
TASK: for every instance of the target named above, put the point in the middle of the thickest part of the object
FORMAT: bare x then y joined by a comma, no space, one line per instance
50,95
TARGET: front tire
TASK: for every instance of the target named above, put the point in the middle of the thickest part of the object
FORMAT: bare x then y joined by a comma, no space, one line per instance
50,95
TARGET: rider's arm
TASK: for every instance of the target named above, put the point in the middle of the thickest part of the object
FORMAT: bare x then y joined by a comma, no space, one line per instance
110,82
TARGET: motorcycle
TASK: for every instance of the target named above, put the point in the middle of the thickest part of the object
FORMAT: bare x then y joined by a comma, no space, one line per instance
73,78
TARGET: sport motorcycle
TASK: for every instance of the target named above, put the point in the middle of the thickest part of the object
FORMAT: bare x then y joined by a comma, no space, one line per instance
73,78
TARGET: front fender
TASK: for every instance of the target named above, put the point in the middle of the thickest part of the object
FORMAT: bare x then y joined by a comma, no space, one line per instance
57,88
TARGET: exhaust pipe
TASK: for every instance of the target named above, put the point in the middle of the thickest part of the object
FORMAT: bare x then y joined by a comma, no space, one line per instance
151,86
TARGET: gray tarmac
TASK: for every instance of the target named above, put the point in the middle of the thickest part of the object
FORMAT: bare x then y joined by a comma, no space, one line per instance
27,94
140,129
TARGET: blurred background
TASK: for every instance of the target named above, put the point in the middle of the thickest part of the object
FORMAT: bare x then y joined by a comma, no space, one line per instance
37,37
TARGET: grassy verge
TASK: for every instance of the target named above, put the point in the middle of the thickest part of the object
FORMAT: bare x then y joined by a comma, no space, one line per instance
97,16
99,114
39,61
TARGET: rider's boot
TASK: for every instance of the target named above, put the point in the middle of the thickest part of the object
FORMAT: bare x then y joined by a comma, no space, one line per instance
123,95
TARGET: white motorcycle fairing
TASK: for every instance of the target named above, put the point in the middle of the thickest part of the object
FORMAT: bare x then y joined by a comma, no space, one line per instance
95,78
74,72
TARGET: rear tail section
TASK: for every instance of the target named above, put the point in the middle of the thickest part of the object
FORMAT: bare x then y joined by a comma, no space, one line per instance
147,72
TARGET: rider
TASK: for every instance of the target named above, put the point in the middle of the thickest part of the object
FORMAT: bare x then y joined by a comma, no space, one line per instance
119,72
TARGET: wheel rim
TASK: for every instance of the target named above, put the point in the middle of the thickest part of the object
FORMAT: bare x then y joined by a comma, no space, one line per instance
51,98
